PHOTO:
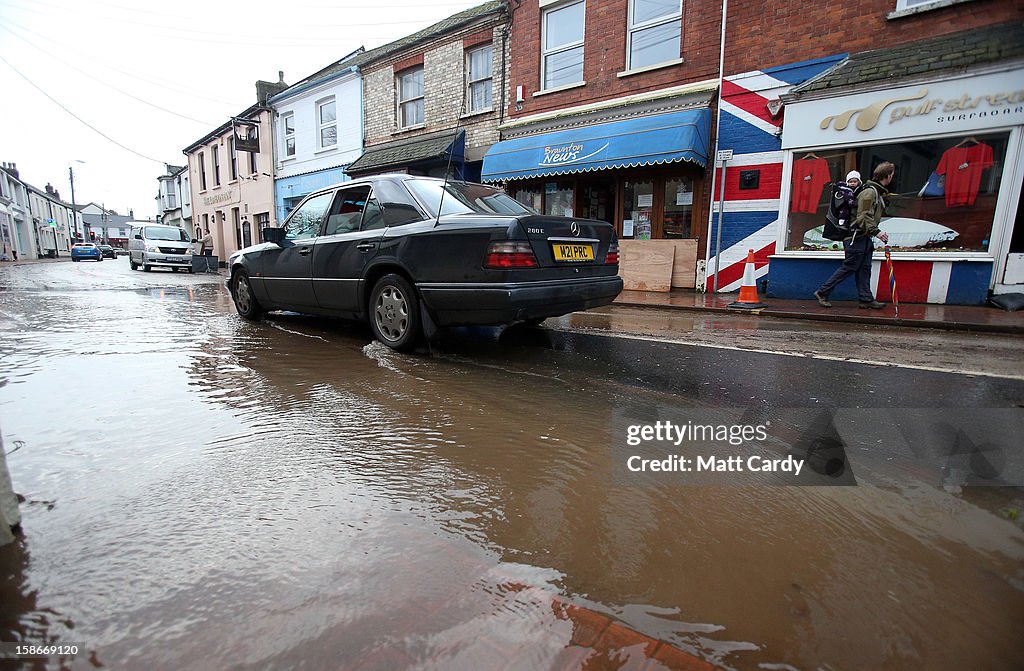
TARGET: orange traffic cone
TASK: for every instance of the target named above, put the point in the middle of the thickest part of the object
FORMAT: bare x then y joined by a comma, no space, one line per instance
748,299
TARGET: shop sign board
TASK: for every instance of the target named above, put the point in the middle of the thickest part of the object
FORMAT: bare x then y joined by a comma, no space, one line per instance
961,105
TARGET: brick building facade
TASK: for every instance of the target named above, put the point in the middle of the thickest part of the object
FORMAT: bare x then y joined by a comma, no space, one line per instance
770,51
435,95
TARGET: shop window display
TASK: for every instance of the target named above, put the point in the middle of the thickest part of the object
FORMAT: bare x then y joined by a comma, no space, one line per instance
639,205
943,198
529,197
678,208
558,199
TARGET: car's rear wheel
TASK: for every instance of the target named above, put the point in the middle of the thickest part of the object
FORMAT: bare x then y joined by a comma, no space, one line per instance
146,267
395,313
245,301
133,265
75,259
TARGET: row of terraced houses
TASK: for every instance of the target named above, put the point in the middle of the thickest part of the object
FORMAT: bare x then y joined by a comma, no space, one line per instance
699,141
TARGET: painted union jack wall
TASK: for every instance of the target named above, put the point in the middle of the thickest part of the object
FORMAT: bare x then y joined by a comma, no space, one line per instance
752,215
748,128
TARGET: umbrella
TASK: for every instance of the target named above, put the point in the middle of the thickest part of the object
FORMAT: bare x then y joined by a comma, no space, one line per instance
892,282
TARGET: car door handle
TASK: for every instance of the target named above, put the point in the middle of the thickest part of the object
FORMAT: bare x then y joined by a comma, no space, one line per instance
305,251
366,246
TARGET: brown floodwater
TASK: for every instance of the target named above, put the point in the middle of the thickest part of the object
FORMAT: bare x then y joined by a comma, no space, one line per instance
206,493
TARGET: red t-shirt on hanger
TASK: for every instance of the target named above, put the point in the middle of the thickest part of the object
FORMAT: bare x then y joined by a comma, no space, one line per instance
809,176
962,167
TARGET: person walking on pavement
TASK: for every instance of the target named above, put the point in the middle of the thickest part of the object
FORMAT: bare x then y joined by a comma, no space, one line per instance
859,247
207,244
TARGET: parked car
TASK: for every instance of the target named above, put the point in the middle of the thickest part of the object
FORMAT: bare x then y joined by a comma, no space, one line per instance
120,251
107,251
153,245
411,253
85,250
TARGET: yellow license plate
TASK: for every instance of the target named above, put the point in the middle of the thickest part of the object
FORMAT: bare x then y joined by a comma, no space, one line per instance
570,253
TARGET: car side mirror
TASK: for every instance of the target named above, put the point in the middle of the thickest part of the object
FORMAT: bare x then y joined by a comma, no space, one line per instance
274,235
138,236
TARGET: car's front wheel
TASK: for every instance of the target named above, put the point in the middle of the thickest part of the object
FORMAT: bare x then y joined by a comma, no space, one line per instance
245,301
394,313
133,265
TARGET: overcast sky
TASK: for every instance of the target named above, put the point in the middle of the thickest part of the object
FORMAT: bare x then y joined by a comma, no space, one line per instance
147,79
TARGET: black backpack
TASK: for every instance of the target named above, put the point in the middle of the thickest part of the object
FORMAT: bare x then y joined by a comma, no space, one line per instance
837,225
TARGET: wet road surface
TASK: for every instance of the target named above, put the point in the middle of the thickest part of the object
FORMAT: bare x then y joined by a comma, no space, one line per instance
204,492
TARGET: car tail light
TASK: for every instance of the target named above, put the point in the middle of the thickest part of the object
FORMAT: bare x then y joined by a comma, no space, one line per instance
510,254
612,257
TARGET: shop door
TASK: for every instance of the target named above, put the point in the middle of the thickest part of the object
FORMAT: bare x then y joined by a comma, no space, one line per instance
1014,273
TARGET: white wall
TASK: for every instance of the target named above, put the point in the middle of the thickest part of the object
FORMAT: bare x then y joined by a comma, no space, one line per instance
308,156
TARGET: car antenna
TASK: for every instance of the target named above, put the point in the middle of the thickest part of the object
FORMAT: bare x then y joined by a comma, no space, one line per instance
448,168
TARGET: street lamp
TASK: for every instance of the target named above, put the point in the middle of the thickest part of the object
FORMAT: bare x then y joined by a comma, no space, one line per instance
74,208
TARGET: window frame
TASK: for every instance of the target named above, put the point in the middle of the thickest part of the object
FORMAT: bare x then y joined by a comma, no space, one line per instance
202,172
562,48
288,135
472,81
215,157
233,166
633,28
321,125
401,101
905,5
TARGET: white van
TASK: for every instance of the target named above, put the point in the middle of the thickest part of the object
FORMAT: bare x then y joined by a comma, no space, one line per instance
152,245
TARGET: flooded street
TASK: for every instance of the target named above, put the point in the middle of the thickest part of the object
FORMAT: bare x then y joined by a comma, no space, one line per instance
207,493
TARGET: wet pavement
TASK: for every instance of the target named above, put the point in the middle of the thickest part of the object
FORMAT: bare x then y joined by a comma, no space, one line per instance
975,318
207,493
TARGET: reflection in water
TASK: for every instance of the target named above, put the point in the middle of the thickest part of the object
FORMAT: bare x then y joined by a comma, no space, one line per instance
289,495
22,618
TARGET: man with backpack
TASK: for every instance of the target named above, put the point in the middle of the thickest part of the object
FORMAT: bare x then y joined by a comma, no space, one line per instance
857,236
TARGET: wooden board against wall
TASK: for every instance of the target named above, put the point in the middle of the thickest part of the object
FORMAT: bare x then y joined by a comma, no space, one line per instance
658,265
684,267
646,265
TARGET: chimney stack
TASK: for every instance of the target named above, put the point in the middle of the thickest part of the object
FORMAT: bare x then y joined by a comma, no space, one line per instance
266,90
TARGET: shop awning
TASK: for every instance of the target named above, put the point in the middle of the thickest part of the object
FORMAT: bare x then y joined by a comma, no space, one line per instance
650,140
404,153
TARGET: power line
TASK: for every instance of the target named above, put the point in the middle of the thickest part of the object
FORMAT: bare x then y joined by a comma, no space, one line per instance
125,93
209,37
164,83
78,118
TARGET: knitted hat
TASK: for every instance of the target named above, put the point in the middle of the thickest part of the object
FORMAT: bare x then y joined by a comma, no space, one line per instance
853,174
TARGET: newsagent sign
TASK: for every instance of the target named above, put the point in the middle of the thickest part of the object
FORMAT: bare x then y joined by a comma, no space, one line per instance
966,104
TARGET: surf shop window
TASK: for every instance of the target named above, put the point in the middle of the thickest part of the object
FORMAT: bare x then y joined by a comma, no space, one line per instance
943,196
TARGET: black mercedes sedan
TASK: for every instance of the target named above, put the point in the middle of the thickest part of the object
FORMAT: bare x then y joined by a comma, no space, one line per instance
411,254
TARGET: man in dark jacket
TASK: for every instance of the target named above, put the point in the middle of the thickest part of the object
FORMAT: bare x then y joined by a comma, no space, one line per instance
859,246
